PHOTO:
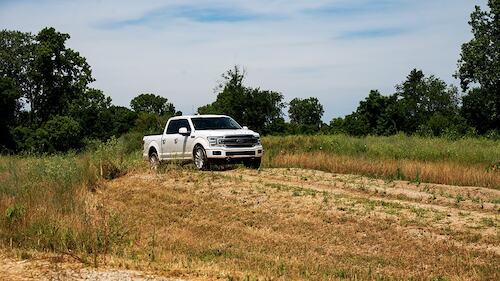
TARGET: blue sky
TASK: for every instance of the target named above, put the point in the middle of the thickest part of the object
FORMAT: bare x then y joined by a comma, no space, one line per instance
335,50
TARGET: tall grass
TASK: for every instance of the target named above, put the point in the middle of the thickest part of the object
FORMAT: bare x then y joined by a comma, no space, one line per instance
469,161
47,201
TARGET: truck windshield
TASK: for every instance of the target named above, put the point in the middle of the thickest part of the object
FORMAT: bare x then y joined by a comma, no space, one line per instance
214,123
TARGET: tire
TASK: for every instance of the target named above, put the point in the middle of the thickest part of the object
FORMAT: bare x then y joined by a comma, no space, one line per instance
253,163
200,158
154,161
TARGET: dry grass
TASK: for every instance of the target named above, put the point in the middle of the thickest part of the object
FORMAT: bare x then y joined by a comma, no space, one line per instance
46,203
295,224
467,162
279,224
419,171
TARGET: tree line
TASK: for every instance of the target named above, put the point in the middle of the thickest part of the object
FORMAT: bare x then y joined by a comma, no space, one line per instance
47,105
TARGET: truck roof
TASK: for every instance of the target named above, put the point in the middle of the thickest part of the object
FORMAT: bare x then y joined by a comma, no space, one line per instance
197,116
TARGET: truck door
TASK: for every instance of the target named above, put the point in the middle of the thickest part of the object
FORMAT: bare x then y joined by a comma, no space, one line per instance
175,145
183,143
168,139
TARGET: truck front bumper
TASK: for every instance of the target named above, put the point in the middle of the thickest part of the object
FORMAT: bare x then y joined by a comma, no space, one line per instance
235,153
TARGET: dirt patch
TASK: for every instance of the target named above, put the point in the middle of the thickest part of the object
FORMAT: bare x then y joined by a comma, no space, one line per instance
53,267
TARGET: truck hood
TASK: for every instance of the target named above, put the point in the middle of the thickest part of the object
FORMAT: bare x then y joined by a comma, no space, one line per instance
224,133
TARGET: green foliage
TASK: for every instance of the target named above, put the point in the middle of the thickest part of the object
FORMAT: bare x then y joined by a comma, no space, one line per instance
252,107
421,97
90,109
424,105
16,55
479,108
52,79
479,64
119,120
9,109
480,57
152,104
60,75
150,124
305,111
15,213
63,133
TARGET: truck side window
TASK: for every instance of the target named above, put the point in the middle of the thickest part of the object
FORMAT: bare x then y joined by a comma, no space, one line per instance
175,125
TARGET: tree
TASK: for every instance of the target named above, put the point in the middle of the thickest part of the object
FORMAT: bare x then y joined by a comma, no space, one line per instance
418,100
119,120
52,82
150,124
89,109
9,109
60,133
60,75
231,95
63,133
479,64
252,107
478,109
420,97
153,104
306,111
369,118
16,55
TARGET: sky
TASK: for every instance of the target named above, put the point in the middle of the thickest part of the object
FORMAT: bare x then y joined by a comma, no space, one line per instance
335,50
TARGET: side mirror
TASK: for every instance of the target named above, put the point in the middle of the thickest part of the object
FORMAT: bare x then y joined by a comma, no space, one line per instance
183,131
245,128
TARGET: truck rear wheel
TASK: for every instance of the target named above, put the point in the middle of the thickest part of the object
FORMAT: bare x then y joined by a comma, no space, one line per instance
200,158
154,161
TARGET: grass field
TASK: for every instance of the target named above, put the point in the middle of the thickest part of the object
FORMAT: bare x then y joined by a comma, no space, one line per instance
469,161
105,209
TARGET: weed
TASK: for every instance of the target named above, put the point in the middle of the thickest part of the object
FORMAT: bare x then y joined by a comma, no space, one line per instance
15,213
489,222
326,197
417,178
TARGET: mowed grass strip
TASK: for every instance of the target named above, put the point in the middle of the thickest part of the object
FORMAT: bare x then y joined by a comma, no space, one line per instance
466,162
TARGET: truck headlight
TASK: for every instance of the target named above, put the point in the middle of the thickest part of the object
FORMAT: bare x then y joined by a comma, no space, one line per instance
215,141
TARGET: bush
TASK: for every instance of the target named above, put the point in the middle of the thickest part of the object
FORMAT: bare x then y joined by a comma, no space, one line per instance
60,133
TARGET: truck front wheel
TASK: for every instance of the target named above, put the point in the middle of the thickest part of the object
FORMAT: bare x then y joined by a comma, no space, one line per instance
200,158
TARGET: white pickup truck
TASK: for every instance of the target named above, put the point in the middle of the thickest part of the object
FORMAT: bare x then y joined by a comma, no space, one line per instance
204,139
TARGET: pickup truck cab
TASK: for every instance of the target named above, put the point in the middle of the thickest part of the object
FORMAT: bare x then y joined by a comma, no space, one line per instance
204,139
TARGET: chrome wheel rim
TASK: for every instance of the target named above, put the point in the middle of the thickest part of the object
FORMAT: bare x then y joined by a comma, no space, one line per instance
198,158
153,162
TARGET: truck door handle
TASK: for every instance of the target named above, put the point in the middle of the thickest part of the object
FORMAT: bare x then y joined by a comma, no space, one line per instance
163,141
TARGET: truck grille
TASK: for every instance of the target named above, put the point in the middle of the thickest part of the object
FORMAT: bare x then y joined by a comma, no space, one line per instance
240,141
